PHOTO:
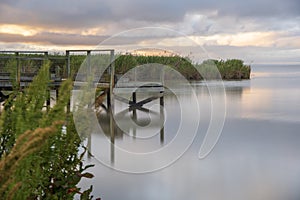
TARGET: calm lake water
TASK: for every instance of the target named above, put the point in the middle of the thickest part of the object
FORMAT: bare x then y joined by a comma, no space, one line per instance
256,158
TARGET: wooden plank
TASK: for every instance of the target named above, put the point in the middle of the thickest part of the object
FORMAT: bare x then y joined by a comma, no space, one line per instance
141,103
122,99
137,84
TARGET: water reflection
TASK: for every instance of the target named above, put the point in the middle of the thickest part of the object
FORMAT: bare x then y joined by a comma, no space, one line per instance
256,157
266,99
149,124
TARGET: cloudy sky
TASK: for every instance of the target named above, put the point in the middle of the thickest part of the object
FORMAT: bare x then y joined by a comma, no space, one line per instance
257,31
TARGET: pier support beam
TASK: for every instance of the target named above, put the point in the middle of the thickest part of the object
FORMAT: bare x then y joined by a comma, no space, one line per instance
162,118
48,102
112,136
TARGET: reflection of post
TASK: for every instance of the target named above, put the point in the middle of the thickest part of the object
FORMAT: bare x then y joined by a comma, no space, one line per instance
162,129
162,76
134,115
112,137
112,79
89,145
111,99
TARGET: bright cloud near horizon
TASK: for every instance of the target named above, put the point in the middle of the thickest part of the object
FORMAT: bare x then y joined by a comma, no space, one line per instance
259,31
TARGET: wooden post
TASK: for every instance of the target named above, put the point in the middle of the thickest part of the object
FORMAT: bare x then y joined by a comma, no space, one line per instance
134,114
162,134
18,75
134,97
112,136
89,70
69,76
111,99
89,145
108,99
112,79
68,64
162,76
161,100
89,75
56,93
69,107
162,129
48,99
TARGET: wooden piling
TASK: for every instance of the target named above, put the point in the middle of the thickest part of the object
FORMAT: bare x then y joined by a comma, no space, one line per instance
68,64
112,136
48,102
112,78
18,77
161,111
56,93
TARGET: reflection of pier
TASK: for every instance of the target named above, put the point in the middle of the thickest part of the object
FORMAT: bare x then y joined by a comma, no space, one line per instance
156,91
110,120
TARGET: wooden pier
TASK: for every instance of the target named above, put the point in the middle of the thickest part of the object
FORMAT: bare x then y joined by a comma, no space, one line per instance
24,76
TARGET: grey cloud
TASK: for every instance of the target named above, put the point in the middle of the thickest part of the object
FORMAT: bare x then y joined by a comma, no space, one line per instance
54,39
254,55
57,14
89,13
75,39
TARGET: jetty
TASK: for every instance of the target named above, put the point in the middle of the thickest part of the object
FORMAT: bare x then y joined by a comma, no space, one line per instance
21,71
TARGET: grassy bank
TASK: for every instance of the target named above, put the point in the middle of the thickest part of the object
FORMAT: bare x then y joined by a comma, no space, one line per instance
226,69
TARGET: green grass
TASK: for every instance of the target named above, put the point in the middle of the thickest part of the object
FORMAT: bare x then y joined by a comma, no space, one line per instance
226,69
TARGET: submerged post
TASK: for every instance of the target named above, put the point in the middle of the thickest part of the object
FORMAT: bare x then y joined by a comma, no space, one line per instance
111,99
112,137
112,78
161,99
161,109
89,145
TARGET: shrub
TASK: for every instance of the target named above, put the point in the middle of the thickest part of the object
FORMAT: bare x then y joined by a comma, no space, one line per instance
39,156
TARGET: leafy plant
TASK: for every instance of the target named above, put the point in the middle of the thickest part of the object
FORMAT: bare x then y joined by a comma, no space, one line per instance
39,156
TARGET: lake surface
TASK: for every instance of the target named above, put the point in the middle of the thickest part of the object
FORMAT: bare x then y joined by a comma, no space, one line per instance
256,157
